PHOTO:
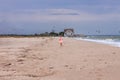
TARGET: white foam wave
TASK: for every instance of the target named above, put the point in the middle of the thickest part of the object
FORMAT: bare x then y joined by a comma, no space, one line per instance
106,41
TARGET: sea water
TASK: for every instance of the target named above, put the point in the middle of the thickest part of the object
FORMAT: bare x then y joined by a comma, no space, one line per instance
113,40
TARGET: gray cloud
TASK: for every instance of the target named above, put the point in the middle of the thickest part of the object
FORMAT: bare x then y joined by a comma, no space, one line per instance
65,14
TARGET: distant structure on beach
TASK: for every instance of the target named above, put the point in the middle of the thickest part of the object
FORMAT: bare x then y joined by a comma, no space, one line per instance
69,32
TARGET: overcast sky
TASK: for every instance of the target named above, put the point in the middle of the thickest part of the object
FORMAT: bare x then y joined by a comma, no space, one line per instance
37,16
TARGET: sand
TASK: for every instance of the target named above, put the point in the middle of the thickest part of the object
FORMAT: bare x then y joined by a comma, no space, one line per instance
44,59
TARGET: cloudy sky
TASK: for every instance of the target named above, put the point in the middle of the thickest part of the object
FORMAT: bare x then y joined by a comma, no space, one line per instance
37,16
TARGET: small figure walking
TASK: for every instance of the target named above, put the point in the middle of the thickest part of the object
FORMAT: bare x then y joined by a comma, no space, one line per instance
61,41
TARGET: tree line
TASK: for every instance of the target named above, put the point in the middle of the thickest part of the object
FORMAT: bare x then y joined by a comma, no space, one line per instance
46,34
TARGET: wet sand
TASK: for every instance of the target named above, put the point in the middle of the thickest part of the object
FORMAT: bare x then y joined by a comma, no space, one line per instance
44,59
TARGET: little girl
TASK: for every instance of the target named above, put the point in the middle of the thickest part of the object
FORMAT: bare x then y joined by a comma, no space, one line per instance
61,41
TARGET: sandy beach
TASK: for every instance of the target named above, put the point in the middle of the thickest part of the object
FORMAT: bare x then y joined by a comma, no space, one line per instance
44,59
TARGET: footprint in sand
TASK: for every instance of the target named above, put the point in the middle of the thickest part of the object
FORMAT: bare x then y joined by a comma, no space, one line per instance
41,58
99,59
7,64
67,66
20,61
51,67
114,53
82,67
105,63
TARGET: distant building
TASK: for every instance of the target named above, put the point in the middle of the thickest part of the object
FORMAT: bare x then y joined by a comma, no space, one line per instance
69,32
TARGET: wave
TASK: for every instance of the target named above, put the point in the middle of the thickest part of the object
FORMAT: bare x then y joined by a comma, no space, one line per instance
112,42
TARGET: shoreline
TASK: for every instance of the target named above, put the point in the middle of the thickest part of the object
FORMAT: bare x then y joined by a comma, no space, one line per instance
109,42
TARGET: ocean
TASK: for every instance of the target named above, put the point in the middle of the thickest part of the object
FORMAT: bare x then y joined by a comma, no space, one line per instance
113,40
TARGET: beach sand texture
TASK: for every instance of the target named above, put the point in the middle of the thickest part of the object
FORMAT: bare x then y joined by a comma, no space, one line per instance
44,59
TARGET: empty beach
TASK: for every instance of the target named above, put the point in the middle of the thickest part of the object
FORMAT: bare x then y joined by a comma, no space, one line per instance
42,58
